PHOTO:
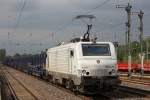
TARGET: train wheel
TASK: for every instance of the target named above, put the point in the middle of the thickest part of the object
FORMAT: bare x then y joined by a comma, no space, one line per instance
69,85
76,90
63,82
50,78
41,76
56,81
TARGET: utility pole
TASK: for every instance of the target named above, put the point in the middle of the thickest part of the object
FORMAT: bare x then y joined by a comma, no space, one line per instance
140,15
147,45
128,10
126,40
147,48
128,24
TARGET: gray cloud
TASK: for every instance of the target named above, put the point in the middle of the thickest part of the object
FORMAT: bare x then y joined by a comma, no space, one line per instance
43,17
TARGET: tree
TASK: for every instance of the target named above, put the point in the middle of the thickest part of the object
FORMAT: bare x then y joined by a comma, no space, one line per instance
135,51
17,55
2,54
121,53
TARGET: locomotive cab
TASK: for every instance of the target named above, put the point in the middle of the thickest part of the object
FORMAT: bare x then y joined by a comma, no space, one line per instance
97,66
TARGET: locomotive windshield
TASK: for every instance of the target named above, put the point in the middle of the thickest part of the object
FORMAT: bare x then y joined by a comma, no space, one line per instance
96,50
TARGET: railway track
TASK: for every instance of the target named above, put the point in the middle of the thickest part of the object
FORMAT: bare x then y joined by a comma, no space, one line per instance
24,94
126,93
13,94
136,80
136,77
137,92
122,90
120,93
7,92
81,96
34,93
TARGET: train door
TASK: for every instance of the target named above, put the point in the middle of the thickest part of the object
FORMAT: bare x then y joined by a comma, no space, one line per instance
71,60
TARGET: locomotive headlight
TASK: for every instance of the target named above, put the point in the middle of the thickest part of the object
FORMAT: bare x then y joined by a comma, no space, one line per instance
87,73
83,72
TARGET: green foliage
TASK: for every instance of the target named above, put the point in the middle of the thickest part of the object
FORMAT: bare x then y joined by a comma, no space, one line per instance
2,54
122,52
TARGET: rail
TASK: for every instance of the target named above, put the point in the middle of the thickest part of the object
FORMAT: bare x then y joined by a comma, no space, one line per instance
12,95
131,92
136,81
34,96
134,90
34,92
0,91
64,89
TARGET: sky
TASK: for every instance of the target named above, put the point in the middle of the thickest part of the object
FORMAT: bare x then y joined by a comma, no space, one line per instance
30,26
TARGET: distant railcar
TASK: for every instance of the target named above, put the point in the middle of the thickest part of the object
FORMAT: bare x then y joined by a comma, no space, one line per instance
123,67
32,64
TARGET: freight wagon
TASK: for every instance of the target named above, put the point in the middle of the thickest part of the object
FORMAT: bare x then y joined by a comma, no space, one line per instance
31,64
123,67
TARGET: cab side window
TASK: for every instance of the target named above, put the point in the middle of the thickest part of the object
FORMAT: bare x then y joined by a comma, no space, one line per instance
71,53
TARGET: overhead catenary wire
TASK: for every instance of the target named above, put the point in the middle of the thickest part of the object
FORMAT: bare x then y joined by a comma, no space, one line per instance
118,25
86,13
18,19
96,7
112,27
70,21
19,16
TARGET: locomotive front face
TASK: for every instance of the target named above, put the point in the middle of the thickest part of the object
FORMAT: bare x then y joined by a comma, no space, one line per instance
98,66
98,60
